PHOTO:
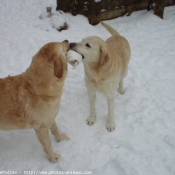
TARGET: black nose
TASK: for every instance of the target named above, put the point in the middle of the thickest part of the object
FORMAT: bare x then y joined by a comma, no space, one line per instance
66,41
72,45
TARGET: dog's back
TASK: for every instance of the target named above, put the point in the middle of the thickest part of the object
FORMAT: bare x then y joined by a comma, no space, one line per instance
12,114
24,104
119,44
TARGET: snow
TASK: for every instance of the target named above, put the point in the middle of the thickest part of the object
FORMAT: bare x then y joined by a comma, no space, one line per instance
74,58
55,19
144,140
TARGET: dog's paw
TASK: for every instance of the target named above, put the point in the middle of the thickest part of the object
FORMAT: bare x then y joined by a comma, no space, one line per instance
54,157
110,126
121,91
62,137
91,120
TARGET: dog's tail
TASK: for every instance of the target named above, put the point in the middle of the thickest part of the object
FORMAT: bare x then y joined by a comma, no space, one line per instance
109,28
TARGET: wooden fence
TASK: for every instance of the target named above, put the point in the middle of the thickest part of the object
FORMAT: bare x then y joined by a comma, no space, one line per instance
98,10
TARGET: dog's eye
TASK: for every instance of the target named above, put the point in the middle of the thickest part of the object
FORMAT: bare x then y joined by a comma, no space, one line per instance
87,45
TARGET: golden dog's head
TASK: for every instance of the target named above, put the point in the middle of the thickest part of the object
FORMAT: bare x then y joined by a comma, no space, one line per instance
93,50
51,59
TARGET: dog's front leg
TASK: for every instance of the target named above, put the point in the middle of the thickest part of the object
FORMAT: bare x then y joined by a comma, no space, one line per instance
92,96
43,136
54,130
110,123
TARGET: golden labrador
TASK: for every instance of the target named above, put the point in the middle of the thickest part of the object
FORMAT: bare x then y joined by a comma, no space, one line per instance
32,99
106,65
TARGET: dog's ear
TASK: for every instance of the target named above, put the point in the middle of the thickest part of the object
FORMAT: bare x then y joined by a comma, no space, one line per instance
104,55
58,67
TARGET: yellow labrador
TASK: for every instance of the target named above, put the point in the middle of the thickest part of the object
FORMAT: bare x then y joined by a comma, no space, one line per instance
106,65
32,99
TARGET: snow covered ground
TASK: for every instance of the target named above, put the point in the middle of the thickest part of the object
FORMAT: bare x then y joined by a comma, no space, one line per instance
144,140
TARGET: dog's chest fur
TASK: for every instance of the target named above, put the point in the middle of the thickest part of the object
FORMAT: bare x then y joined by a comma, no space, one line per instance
97,82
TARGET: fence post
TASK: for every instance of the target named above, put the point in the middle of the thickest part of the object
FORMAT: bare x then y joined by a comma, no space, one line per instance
159,8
